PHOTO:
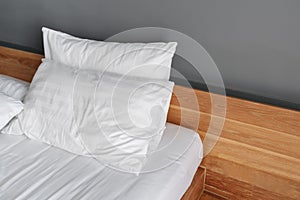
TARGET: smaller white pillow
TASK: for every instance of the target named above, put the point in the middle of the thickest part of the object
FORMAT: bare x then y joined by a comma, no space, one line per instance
16,89
14,126
9,108
13,87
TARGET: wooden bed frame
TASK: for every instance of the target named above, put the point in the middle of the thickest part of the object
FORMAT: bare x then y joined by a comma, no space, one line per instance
256,157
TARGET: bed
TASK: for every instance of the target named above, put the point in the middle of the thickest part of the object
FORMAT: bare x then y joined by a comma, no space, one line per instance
33,168
245,163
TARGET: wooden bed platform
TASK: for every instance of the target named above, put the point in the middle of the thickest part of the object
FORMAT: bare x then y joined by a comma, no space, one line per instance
256,157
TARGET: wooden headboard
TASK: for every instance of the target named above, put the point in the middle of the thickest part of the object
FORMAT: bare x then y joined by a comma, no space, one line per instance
257,155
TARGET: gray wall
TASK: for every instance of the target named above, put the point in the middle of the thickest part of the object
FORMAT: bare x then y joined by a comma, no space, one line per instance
255,43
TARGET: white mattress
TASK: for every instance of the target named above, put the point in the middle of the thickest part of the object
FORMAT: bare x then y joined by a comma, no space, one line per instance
33,170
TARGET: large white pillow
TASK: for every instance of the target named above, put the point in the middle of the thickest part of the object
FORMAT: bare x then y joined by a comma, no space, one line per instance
13,87
116,119
150,60
9,108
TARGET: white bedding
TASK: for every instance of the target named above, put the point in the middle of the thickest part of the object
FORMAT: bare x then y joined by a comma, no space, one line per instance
33,170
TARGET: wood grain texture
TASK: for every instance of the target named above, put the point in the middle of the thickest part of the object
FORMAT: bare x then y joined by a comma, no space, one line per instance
240,132
210,196
247,165
266,116
257,155
230,188
19,64
196,189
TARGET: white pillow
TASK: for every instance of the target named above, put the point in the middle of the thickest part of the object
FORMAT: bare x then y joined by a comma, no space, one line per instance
9,107
117,119
150,60
13,87
17,89
14,126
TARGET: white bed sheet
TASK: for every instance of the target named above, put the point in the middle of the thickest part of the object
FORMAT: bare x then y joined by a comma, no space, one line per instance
33,170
